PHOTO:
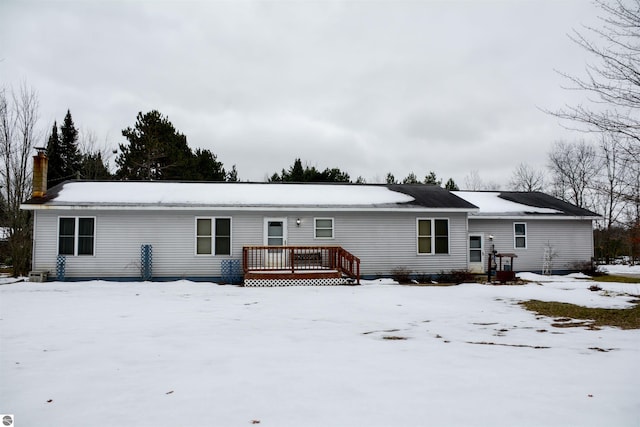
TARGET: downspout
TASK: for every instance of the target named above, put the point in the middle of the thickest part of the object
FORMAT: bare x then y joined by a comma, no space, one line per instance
33,240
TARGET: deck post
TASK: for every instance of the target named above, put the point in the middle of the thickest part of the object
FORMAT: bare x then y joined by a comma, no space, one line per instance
291,261
245,261
332,258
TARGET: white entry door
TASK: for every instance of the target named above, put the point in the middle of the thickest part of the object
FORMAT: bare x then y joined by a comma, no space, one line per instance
275,234
476,253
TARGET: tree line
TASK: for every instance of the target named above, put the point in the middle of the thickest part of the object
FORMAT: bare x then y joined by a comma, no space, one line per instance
154,150
297,173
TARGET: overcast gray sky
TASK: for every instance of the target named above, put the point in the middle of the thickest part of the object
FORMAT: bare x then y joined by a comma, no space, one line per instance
369,87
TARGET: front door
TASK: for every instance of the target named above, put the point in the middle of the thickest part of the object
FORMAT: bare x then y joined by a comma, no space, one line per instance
476,253
275,234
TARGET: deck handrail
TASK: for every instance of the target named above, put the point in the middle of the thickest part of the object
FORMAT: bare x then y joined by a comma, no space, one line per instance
300,258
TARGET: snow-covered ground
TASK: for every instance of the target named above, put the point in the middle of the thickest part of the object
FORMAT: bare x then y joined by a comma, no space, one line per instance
200,354
621,269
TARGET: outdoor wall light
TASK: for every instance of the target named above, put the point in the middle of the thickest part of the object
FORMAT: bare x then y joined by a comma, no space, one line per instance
491,237
298,222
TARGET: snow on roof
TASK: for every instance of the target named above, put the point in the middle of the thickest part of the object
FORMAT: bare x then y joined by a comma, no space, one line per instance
490,203
223,194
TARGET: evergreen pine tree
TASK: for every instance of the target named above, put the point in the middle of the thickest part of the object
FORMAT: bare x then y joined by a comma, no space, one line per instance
451,185
275,177
55,172
232,176
205,167
155,151
390,179
296,172
311,174
334,175
432,179
93,167
411,179
69,152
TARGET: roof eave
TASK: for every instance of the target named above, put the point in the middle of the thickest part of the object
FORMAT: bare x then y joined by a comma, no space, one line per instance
196,207
522,216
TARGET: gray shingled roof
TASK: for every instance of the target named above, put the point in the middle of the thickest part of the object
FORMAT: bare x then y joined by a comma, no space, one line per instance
432,196
514,203
542,200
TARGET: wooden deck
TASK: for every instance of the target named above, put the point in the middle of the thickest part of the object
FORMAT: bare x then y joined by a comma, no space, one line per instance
299,265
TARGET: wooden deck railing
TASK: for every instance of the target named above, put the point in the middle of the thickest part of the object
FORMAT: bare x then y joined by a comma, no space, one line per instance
300,258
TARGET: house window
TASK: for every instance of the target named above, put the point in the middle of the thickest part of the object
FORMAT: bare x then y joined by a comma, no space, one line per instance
433,236
76,235
213,236
323,228
520,235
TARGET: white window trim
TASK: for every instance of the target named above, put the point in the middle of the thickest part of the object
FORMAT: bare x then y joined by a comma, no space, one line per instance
525,235
76,235
213,236
315,229
433,236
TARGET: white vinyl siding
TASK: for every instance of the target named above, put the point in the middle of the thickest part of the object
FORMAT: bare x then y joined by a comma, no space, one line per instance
213,236
323,228
120,234
382,240
572,241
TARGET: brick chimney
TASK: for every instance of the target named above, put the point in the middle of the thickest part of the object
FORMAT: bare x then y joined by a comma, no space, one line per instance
40,165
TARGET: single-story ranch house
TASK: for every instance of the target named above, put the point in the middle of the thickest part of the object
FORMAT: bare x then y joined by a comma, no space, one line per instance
280,232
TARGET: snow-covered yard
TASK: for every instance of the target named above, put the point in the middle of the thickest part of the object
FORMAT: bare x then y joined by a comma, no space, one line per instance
622,269
195,354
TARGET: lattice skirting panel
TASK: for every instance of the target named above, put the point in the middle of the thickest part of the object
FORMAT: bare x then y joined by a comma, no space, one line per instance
330,281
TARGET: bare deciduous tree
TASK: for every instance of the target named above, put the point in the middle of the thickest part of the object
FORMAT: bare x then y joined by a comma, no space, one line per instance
631,195
94,156
526,178
473,182
18,119
610,187
632,210
574,167
611,184
612,85
613,79
88,144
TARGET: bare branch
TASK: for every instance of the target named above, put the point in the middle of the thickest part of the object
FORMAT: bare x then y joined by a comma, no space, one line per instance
18,135
573,168
526,178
